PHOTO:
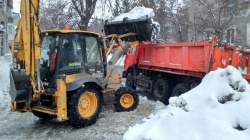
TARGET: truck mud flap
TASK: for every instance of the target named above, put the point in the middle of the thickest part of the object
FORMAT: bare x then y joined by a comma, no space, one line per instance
19,82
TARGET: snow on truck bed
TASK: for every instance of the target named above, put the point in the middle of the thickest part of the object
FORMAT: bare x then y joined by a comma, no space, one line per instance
136,13
217,109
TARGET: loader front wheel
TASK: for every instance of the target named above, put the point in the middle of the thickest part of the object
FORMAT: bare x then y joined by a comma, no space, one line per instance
126,99
85,106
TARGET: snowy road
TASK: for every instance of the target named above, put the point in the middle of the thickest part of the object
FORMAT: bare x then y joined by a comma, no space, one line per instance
111,125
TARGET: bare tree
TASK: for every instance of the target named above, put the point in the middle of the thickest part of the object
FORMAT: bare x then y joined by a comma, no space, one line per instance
81,12
177,13
54,14
213,16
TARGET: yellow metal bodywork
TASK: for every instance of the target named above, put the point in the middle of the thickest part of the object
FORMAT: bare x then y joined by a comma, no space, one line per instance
59,107
26,51
69,31
73,77
113,77
26,107
28,39
61,99
114,38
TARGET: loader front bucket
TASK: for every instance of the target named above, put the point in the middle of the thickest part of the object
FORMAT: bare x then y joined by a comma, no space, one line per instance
142,27
19,82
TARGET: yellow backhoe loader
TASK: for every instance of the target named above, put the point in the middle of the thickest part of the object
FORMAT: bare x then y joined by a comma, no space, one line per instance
63,74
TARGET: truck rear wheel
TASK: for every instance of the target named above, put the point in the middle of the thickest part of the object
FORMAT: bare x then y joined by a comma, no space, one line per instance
180,89
85,106
162,90
130,80
126,99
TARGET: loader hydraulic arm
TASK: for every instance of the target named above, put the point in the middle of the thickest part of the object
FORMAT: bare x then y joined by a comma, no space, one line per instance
26,44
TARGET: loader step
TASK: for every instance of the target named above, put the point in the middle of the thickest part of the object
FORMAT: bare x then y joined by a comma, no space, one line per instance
45,110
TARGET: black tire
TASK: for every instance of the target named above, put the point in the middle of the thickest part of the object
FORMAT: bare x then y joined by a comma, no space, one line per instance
43,115
85,98
180,89
162,90
126,99
130,81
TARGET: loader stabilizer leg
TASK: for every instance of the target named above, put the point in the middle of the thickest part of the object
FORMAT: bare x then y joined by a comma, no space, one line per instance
61,99
21,106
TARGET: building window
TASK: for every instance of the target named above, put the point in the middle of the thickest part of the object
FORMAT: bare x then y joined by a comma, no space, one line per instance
10,29
230,35
248,33
10,19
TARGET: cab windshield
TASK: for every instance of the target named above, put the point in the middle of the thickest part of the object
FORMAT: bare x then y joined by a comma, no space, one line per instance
68,53
78,52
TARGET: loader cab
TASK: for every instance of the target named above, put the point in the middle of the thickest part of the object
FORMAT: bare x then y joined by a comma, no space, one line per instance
66,53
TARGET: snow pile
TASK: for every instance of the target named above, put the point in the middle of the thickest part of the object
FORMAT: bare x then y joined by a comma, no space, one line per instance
4,72
4,87
136,13
219,108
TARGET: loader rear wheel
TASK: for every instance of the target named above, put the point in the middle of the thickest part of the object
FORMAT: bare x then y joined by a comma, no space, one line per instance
126,99
162,90
130,80
85,106
43,115
180,89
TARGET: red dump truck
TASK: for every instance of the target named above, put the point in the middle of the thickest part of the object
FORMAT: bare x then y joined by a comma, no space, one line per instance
170,69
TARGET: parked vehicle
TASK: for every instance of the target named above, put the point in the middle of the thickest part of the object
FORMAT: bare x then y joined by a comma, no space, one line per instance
63,74
169,69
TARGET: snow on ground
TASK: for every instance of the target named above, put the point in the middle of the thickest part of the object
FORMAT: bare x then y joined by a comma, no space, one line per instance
4,86
219,108
111,125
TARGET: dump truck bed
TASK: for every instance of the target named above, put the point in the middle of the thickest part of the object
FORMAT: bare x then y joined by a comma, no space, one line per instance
192,58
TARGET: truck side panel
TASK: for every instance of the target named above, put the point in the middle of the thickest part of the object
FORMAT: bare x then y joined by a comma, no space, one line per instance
193,58
188,58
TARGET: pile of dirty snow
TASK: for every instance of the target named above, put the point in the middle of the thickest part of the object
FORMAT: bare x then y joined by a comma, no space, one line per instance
217,109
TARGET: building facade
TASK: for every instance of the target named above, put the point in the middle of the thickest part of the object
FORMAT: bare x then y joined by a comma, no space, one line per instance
6,20
229,19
